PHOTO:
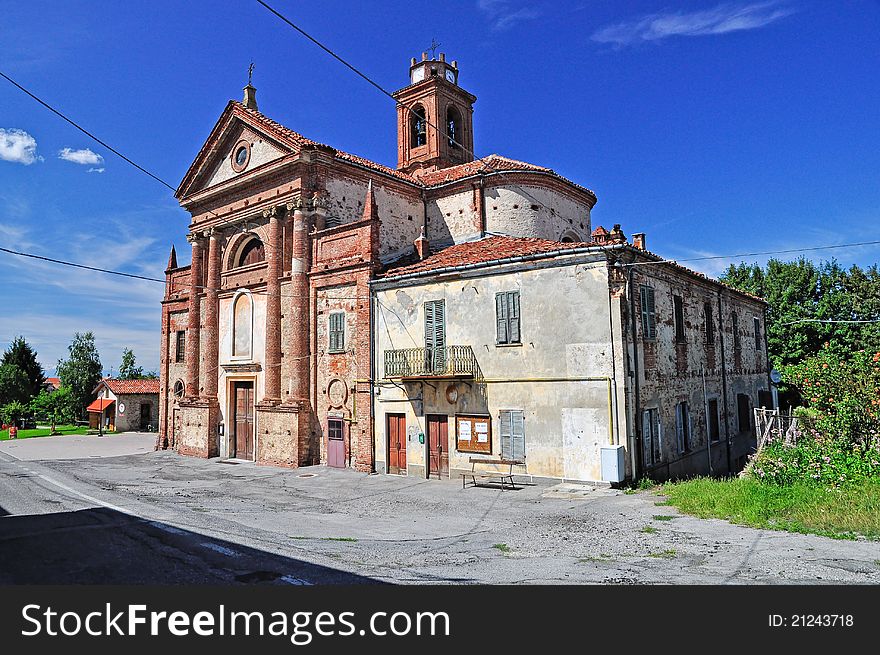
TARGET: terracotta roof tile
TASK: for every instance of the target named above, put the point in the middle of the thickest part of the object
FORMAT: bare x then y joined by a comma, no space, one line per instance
492,163
301,141
489,164
132,386
475,252
496,248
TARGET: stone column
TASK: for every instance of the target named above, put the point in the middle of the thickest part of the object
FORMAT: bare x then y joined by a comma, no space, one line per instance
299,287
194,325
212,317
273,308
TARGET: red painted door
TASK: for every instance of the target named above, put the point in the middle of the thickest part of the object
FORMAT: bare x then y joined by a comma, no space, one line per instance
396,443
438,446
335,443
243,420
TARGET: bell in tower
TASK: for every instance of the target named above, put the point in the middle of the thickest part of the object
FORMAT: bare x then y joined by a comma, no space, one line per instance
434,117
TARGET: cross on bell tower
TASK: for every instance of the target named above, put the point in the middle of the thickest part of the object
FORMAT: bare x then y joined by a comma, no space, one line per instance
434,117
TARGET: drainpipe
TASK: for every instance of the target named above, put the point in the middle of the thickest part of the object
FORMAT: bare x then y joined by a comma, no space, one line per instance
372,377
482,207
616,439
706,414
636,454
724,382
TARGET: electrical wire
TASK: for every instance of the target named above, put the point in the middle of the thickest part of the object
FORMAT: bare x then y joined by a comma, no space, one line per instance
373,83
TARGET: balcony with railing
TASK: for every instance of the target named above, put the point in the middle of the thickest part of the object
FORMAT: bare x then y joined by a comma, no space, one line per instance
448,362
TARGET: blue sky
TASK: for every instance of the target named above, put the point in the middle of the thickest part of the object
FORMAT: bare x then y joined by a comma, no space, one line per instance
715,128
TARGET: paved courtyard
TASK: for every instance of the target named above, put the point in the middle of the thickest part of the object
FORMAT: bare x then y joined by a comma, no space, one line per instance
194,520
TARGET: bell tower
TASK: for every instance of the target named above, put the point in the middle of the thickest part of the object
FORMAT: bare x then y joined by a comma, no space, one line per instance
435,117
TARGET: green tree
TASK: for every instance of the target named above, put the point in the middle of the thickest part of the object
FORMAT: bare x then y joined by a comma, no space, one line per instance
54,406
20,354
810,305
81,371
12,413
128,369
13,384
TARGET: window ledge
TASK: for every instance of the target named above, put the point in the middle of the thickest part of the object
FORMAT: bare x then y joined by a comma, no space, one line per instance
508,345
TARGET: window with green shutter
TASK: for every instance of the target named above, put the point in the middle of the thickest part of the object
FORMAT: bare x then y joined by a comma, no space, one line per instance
507,317
513,435
337,332
435,336
649,315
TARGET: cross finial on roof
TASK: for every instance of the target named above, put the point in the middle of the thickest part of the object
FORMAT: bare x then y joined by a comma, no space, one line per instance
433,47
250,73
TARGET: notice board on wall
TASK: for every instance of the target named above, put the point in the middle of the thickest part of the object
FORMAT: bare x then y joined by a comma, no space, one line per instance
473,434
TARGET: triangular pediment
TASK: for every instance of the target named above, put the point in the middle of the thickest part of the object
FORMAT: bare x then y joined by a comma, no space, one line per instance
241,141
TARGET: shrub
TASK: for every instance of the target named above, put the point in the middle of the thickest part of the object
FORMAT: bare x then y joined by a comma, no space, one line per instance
842,394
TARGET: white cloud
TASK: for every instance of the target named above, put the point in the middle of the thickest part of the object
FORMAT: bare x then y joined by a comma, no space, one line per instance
85,157
95,170
504,14
719,20
18,146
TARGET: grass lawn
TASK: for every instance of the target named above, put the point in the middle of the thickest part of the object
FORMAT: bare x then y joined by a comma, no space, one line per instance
27,434
839,513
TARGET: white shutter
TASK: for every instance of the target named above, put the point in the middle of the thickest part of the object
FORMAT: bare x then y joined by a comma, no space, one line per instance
505,435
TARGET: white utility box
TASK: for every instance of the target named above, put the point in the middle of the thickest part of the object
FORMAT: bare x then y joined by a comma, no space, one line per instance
613,464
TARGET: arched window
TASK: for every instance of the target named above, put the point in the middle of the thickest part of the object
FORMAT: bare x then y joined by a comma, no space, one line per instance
418,127
252,253
453,127
242,324
178,389
570,237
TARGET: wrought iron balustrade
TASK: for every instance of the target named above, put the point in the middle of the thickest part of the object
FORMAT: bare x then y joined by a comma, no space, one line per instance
451,361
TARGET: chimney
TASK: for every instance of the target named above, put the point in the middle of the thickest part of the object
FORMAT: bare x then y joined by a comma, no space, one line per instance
250,97
442,56
424,56
421,244
639,240
617,235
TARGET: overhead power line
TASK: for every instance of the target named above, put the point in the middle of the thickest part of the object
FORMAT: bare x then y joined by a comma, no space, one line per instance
756,254
85,131
831,320
598,265
384,91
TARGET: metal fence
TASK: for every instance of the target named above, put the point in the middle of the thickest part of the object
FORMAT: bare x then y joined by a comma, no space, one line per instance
431,362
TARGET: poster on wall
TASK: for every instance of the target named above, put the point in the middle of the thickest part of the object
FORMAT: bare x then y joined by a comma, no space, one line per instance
473,434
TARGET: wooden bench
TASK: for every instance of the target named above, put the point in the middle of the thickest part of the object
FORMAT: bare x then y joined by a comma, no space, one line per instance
504,477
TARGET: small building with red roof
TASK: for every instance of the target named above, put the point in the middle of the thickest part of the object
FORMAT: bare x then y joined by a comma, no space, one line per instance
125,405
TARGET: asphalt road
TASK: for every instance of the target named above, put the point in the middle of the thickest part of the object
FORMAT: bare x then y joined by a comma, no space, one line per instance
157,517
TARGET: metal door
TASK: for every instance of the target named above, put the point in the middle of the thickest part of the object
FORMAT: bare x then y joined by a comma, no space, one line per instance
335,443
438,446
243,443
396,442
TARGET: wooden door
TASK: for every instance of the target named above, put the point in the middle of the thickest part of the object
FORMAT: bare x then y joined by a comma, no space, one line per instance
438,446
335,443
396,431
243,420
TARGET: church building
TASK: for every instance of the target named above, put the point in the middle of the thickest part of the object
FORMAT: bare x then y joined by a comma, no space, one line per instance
411,320
266,345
